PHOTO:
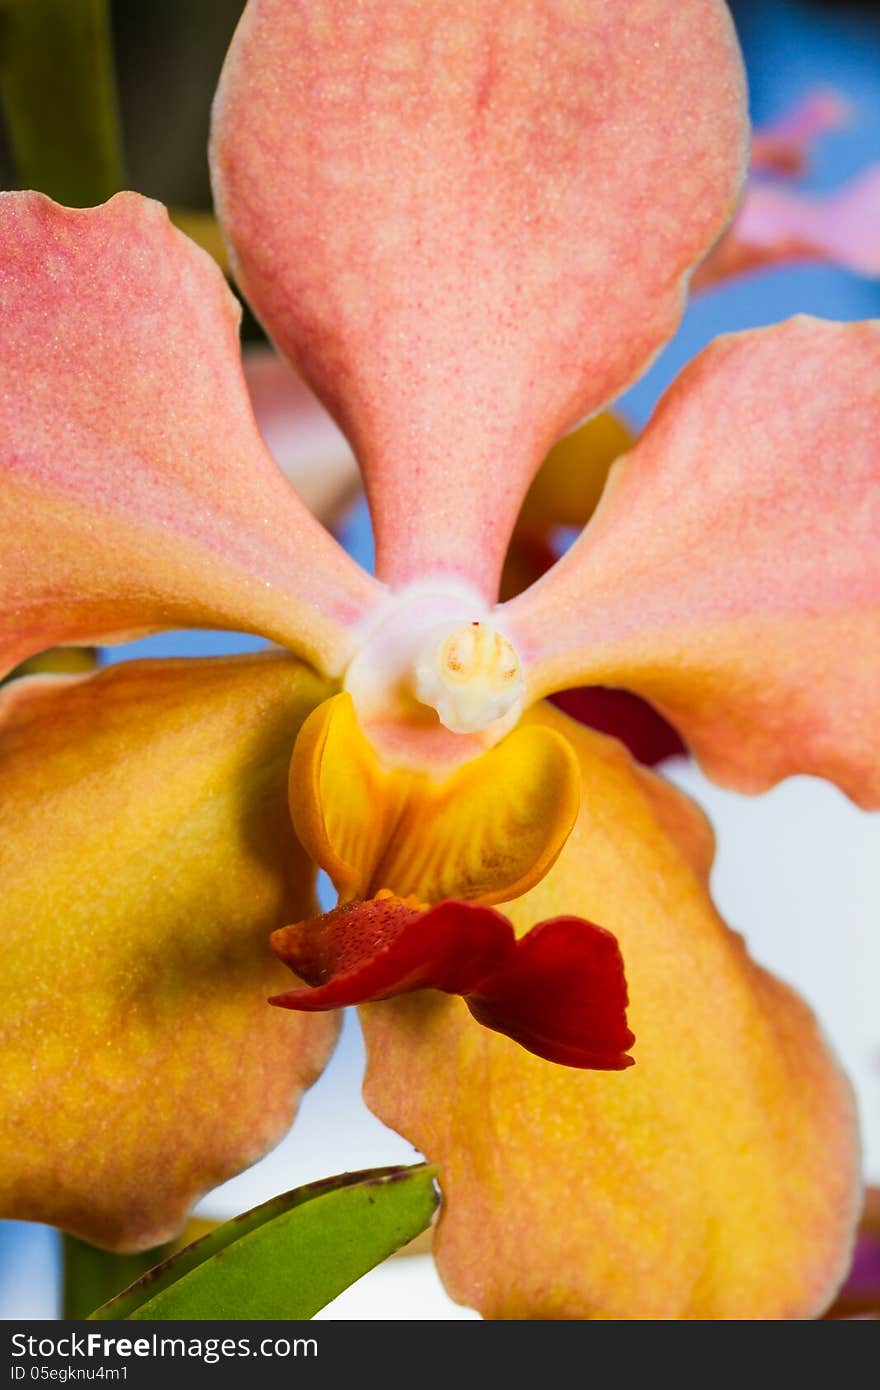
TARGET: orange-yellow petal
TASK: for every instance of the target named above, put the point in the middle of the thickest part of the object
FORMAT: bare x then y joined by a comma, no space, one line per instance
715,1179
469,226
731,574
145,854
484,833
135,490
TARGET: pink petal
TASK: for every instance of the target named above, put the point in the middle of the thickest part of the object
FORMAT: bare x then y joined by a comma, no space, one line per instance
469,225
309,448
731,574
783,146
135,491
775,225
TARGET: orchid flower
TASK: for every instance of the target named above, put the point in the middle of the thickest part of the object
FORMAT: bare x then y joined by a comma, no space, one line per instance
467,227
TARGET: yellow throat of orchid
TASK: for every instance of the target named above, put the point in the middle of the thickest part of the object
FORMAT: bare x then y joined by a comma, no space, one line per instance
415,780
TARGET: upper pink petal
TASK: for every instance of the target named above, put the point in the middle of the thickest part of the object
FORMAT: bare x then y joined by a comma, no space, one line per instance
775,225
469,225
731,574
135,491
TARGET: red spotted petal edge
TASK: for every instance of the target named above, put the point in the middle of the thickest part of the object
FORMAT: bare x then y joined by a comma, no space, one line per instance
558,991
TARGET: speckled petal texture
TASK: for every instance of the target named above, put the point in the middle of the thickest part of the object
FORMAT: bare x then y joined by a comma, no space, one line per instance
135,491
146,853
731,574
468,222
715,1179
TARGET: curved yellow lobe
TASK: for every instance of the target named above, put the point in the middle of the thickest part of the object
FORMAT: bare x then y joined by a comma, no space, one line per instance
486,833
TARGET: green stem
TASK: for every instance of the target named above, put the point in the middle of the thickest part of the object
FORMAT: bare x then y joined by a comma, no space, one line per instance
59,100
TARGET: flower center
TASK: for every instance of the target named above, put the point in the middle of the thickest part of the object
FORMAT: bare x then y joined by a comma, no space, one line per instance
470,676
435,649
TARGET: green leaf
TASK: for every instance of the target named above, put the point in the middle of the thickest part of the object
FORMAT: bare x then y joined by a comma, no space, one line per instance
59,99
92,1275
290,1256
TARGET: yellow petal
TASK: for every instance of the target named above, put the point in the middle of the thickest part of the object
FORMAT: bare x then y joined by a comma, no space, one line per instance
145,854
716,1179
485,833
